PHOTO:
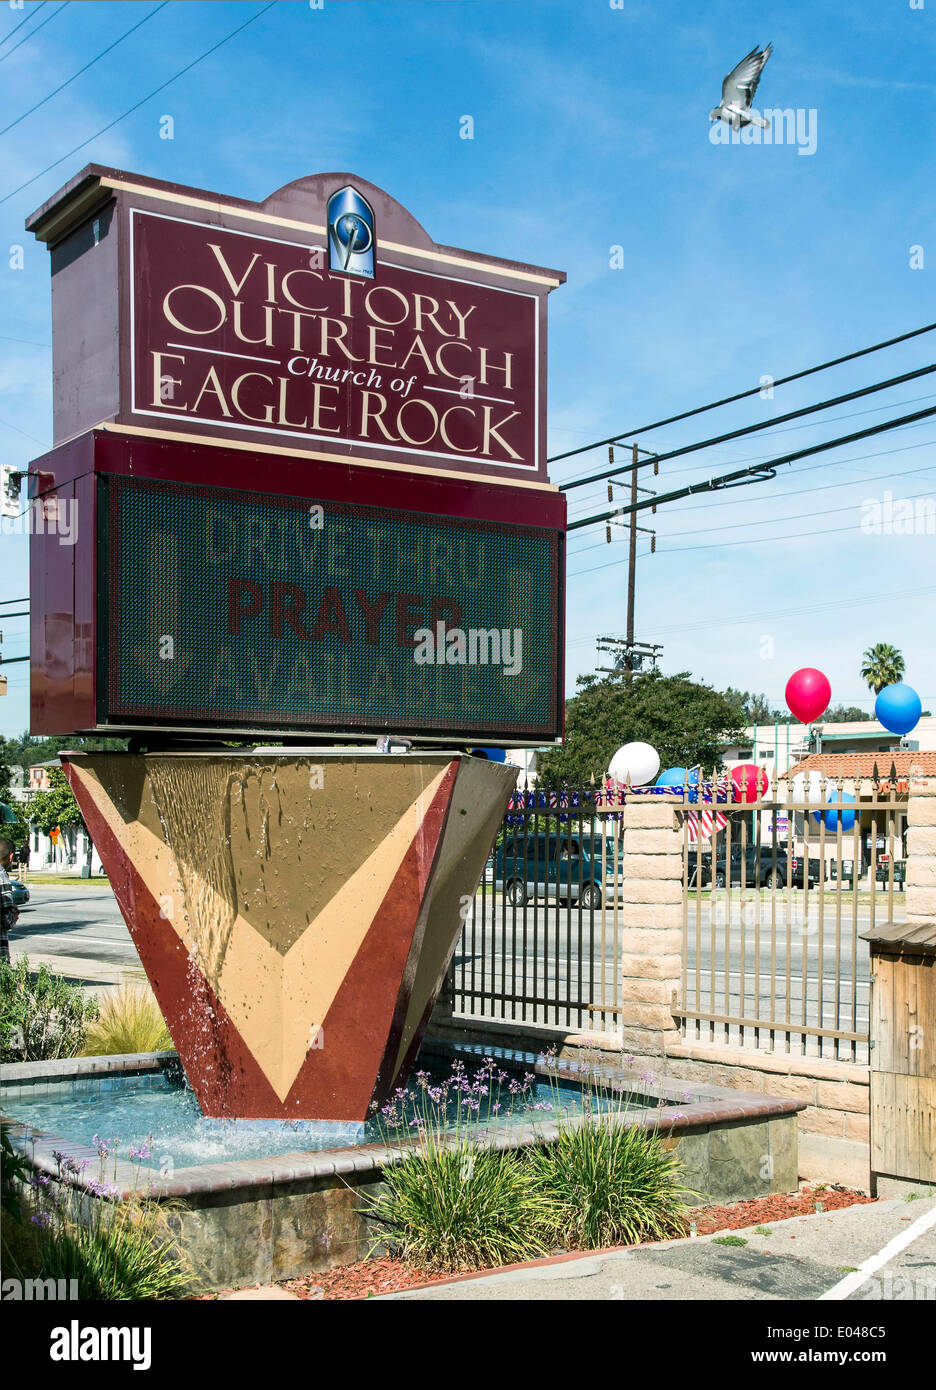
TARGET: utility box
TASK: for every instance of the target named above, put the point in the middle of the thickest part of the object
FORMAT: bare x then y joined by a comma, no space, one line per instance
903,1052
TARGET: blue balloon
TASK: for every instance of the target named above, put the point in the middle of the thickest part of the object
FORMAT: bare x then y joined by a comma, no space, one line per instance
831,817
672,777
898,707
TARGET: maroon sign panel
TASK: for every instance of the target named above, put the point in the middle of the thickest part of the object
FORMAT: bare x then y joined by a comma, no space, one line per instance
239,330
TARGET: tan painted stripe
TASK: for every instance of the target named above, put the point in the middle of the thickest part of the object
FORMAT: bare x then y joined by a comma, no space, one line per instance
225,209
184,438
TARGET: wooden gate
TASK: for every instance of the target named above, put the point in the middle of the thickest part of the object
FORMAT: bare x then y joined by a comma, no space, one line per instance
903,1051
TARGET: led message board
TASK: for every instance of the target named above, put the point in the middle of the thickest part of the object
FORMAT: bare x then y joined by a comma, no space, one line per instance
230,608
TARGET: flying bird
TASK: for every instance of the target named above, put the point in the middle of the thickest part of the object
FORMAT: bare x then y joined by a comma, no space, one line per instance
738,90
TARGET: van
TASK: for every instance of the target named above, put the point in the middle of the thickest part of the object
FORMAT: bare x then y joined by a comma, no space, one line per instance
576,868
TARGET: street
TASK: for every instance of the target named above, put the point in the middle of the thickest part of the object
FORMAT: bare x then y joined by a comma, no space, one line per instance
546,972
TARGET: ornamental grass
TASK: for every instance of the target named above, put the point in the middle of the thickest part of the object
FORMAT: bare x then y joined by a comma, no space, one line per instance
129,1020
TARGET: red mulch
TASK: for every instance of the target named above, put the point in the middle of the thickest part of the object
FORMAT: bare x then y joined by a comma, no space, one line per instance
385,1275
763,1210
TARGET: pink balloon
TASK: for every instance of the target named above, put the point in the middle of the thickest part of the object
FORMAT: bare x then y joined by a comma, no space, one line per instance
808,693
748,781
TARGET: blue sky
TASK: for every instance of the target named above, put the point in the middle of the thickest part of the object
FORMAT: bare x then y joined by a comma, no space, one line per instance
591,132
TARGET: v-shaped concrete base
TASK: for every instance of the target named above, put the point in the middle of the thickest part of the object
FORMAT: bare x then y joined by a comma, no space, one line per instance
295,913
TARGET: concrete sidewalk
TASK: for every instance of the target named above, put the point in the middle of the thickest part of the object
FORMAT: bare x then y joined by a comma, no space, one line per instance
804,1257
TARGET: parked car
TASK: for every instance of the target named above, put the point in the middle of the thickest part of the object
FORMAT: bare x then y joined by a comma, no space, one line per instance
20,892
571,867
761,868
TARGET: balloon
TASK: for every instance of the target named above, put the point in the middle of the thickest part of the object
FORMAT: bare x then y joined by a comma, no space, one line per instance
808,693
493,755
808,786
672,777
636,763
832,818
898,707
748,781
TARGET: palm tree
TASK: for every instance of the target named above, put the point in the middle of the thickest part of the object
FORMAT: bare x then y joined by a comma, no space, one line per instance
883,665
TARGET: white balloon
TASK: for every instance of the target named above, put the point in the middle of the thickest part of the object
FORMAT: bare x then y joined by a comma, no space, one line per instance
636,763
808,786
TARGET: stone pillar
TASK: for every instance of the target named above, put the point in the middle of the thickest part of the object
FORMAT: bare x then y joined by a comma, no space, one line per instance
651,921
921,852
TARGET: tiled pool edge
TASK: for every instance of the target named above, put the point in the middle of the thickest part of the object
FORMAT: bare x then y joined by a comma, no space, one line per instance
277,1217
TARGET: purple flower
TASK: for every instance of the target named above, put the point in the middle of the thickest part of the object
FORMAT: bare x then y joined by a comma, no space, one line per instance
41,1218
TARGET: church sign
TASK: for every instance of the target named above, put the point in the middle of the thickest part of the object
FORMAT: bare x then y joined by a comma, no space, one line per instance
307,443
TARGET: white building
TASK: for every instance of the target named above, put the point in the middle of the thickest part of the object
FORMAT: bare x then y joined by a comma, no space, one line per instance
776,747
72,852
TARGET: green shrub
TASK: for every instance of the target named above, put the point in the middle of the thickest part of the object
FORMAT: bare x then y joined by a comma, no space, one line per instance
457,1201
609,1183
462,1207
114,1250
129,1020
122,1250
454,1202
42,1016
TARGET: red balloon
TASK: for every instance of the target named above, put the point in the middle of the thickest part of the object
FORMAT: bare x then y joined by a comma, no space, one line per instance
808,693
748,782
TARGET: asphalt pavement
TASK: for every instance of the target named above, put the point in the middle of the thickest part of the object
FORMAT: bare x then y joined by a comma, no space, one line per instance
78,931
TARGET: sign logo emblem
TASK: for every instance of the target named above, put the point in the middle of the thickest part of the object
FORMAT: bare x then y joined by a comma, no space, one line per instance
351,239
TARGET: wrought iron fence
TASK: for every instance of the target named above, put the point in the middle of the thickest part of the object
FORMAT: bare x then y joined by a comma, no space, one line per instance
541,941
779,885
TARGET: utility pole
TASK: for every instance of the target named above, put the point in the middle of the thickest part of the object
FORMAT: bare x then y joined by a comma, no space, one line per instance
632,658
631,573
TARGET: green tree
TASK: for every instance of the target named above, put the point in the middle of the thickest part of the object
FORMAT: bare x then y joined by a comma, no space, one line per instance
688,723
882,665
844,714
55,807
26,751
757,709
12,820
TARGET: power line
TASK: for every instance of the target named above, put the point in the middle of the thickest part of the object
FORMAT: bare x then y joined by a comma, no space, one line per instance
577,505
35,30
744,395
143,100
25,20
740,619
13,600
754,429
767,468
145,20
775,520
795,492
724,545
